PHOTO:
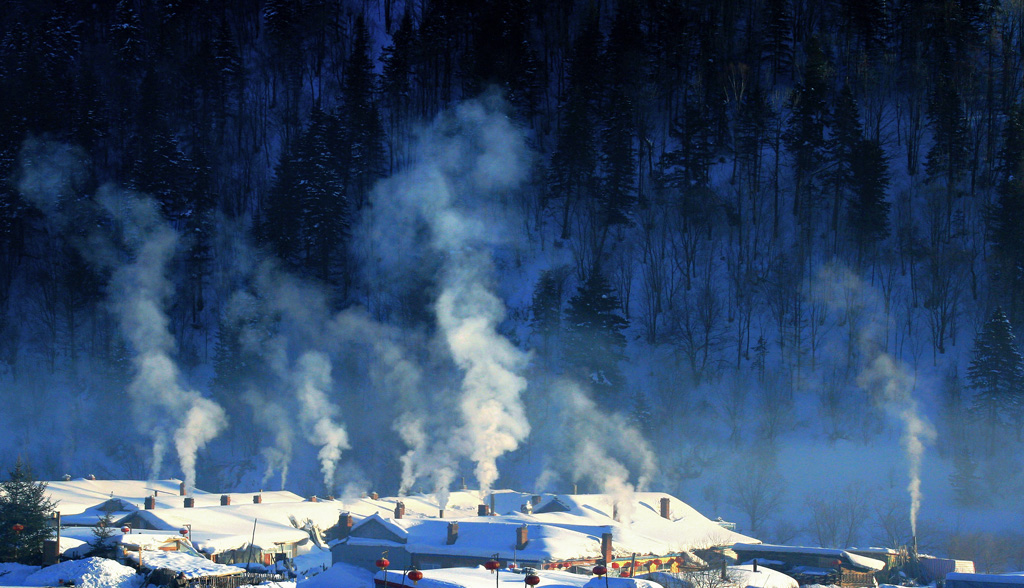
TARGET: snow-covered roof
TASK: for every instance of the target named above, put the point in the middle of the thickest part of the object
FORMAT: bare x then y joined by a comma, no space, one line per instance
571,533
854,559
478,577
77,496
92,572
189,565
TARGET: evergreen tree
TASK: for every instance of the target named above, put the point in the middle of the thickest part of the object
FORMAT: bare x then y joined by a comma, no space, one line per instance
574,162
546,309
805,138
103,531
363,130
1004,222
996,374
25,503
869,181
947,158
594,339
845,138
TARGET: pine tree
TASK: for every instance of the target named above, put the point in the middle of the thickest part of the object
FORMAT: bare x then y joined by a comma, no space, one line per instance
1004,222
546,309
947,158
594,340
869,181
103,530
24,503
574,162
996,374
805,138
363,130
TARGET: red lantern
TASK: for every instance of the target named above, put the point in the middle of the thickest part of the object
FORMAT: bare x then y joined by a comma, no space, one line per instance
183,531
600,570
126,529
532,580
382,563
624,574
511,565
17,527
657,562
415,575
492,565
615,565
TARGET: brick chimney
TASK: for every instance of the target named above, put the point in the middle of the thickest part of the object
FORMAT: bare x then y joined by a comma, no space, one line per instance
606,546
453,533
666,508
344,524
182,491
522,538
257,499
314,498
150,502
190,502
482,510
225,500
399,510
374,496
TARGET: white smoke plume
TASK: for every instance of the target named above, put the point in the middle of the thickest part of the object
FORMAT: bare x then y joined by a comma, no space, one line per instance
884,376
164,409
318,414
465,161
601,446
139,288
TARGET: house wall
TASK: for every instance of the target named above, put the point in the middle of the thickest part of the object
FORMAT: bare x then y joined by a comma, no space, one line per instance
364,556
375,530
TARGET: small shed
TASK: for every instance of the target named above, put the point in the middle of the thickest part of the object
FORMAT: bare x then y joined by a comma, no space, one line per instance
813,565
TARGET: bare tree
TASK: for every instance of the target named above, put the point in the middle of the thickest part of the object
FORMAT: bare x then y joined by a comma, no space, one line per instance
757,491
836,518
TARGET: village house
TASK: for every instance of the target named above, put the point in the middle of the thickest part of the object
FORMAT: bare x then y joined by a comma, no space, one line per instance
641,533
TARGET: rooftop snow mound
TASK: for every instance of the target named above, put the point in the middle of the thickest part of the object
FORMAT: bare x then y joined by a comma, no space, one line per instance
92,572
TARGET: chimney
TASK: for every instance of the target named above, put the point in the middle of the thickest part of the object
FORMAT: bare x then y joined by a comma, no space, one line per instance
666,508
521,537
225,500
453,533
182,491
190,502
606,546
615,511
374,496
257,499
440,513
535,499
481,510
313,498
150,502
399,510
493,510
344,524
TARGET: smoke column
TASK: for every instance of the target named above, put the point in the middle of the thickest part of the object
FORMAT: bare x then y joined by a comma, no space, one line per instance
465,161
599,444
165,410
139,289
883,375
318,414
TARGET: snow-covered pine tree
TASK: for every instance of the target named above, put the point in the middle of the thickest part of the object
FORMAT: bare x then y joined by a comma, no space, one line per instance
594,342
25,513
996,374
